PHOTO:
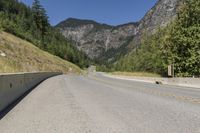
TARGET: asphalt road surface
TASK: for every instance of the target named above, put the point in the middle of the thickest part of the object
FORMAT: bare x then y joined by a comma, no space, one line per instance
97,104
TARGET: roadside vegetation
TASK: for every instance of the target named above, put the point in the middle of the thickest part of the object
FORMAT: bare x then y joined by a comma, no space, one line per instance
17,55
137,74
32,24
177,44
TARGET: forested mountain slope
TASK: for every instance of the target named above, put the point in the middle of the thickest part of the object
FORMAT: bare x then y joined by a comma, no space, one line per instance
31,23
178,45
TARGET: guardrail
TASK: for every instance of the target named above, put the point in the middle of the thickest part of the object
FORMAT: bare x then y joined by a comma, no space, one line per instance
13,86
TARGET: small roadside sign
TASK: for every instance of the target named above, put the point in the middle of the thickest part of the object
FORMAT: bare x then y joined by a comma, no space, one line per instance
171,71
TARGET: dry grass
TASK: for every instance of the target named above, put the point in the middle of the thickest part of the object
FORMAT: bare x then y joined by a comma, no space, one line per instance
22,56
138,74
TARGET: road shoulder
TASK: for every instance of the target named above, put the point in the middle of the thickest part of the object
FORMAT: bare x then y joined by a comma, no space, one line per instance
184,82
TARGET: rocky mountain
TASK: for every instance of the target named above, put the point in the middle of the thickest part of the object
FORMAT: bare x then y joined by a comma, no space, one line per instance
94,38
160,15
105,42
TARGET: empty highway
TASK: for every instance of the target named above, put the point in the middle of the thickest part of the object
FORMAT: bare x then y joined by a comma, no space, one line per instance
97,104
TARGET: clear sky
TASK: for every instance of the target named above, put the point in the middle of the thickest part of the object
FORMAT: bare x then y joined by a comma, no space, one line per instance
113,12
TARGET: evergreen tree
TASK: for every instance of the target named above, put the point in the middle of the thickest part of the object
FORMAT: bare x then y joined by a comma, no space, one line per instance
41,19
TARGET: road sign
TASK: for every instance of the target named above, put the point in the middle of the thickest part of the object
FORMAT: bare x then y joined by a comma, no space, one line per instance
171,70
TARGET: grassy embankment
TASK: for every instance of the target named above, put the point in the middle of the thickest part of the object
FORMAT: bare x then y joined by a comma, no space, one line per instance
17,55
137,74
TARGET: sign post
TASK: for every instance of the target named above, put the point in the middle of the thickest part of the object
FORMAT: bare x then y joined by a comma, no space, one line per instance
171,70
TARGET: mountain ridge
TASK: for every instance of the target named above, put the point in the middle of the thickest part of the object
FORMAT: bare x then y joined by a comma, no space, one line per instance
100,40
91,32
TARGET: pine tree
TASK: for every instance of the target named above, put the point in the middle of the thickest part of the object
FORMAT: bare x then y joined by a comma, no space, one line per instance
41,19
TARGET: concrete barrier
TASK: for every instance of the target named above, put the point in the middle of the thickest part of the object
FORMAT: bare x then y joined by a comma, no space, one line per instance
185,82
12,86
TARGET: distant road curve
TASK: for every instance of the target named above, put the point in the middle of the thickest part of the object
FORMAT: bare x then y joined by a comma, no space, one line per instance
98,104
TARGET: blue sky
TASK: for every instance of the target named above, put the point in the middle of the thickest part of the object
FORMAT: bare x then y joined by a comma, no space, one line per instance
113,12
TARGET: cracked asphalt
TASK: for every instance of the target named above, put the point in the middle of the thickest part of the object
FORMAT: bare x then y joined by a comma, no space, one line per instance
98,104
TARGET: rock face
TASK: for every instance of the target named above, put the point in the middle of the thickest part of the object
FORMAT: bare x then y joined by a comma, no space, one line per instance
159,16
94,38
101,41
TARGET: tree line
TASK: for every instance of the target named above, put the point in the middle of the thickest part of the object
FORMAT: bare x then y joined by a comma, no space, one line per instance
32,24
